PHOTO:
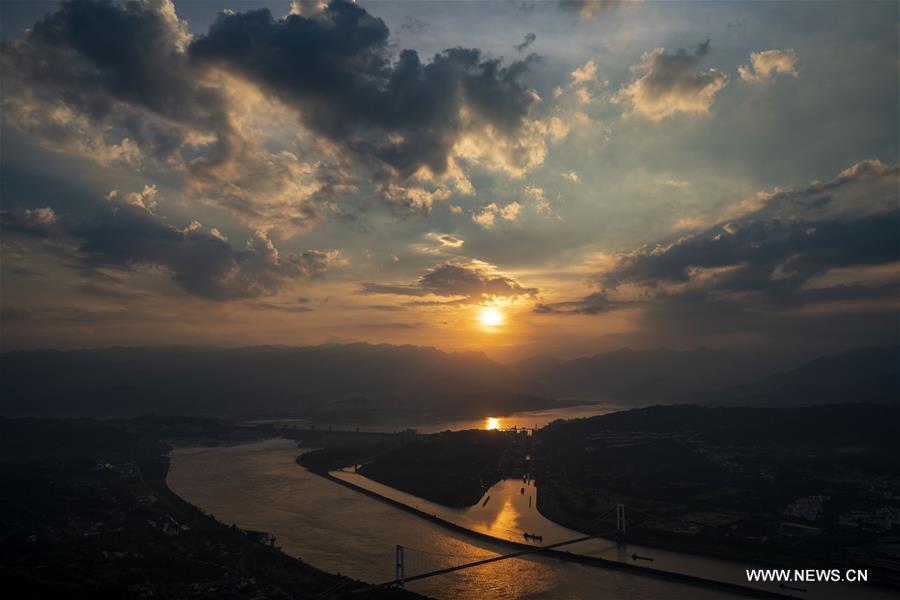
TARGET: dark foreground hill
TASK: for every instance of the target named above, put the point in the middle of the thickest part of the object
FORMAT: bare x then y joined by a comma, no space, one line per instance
88,515
795,486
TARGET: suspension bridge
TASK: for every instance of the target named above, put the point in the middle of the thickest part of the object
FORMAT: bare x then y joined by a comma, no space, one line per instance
414,564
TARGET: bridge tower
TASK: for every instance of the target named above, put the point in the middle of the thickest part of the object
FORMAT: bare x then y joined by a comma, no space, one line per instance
620,519
399,572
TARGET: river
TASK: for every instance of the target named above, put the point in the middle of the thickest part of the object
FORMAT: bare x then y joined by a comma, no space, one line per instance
525,419
260,486
508,509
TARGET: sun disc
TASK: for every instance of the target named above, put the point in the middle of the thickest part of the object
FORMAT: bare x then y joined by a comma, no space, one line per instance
491,317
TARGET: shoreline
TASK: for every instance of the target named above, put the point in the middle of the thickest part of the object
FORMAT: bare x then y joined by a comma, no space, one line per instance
558,554
154,474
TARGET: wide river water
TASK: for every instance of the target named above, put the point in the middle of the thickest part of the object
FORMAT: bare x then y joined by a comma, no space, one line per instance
527,419
259,486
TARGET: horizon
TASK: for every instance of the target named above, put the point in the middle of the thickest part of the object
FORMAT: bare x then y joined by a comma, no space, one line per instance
786,362
642,175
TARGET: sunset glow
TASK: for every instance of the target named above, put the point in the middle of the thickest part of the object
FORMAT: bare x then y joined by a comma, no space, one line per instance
545,207
492,423
491,317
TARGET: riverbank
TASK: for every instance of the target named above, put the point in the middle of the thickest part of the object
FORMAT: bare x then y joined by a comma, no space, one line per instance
781,488
558,554
87,512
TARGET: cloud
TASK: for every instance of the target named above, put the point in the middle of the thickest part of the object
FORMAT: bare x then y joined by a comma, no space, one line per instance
92,69
286,308
308,8
129,235
488,215
439,243
779,256
570,175
38,222
671,182
764,65
583,77
511,211
592,9
529,40
394,325
446,239
413,25
413,199
271,118
593,304
541,202
671,84
334,67
472,280
586,73
114,83
768,256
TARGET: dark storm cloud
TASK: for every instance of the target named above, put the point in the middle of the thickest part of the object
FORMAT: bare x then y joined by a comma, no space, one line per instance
126,83
336,69
529,40
768,259
128,236
473,280
115,65
200,261
770,255
791,237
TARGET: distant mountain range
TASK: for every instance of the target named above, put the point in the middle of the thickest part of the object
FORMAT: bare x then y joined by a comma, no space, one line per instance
241,381
864,375
363,379
638,376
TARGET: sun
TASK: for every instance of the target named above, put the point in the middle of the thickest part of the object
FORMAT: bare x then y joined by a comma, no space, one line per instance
491,317
492,423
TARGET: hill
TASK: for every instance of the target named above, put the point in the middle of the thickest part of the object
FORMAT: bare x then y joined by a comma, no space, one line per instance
251,381
863,375
640,376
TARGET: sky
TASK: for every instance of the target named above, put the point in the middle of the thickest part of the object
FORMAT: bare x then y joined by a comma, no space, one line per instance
520,178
